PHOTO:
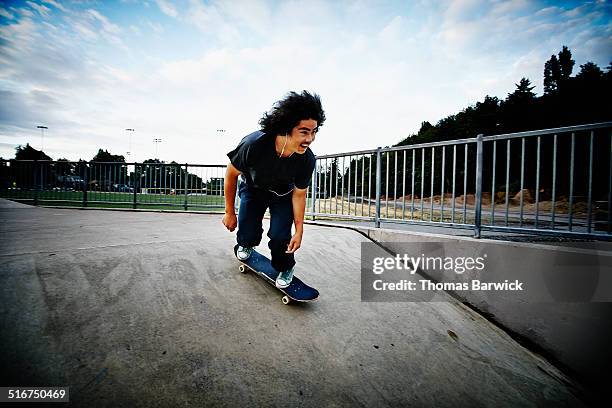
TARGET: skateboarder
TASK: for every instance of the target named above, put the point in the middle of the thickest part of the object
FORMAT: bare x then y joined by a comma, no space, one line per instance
275,165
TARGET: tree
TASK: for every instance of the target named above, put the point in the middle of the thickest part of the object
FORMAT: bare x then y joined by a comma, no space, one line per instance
566,63
105,176
29,153
487,119
523,92
519,108
63,167
552,75
105,156
425,126
590,72
557,71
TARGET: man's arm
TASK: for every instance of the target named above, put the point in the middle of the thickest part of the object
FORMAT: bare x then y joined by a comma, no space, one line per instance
230,185
298,199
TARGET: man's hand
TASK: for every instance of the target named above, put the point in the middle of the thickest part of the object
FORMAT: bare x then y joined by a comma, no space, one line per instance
298,201
230,221
295,243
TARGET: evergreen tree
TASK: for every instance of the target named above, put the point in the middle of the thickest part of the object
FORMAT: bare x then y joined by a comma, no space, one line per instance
518,110
566,63
552,75
523,92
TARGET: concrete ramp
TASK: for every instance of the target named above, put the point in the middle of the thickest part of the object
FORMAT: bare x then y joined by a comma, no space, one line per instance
149,309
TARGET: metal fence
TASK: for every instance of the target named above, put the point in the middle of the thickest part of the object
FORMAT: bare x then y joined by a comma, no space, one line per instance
554,181
110,184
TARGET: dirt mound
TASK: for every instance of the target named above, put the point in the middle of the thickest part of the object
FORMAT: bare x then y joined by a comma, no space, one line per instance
527,197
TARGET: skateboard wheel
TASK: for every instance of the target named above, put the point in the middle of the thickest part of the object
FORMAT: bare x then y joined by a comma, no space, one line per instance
242,269
286,300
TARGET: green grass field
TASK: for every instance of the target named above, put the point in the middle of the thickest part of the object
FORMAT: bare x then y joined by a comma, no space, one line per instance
102,199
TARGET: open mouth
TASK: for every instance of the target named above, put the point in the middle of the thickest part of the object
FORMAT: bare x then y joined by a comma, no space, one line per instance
304,146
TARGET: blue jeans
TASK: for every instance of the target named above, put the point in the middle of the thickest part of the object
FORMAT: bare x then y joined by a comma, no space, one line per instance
253,204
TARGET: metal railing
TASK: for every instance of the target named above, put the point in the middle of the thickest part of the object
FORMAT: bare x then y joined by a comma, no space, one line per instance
553,182
114,184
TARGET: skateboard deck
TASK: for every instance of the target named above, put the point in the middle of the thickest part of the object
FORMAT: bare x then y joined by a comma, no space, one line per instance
297,291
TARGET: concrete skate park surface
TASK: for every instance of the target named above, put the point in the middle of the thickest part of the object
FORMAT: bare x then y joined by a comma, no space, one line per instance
149,309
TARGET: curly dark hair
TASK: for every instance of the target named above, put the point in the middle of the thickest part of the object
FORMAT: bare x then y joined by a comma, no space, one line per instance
288,112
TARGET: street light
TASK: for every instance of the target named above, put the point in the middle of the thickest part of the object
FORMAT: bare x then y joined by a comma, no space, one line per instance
156,141
42,136
130,143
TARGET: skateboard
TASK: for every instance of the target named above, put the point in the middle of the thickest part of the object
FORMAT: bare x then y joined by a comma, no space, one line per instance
297,291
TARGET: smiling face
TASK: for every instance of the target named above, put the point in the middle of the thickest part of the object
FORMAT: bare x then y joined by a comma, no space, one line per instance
303,135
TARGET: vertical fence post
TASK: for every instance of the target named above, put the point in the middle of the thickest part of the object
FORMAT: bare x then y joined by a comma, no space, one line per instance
86,181
314,191
136,185
378,180
478,204
185,206
35,179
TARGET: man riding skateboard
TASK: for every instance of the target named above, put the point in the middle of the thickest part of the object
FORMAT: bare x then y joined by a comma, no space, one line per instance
275,165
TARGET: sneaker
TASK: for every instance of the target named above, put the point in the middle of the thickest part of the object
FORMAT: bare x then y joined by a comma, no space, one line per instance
243,253
283,279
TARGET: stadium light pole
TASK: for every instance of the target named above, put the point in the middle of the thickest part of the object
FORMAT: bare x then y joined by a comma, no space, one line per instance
129,152
156,141
42,136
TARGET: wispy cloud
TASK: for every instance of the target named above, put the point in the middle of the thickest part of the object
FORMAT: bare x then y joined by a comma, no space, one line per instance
106,25
42,10
135,30
156,27
92,26
167,8
6,14
55,4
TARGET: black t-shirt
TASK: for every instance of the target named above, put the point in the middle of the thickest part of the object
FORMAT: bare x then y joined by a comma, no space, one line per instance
256,157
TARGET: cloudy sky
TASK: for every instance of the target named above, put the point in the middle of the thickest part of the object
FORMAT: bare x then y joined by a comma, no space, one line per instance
179,70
